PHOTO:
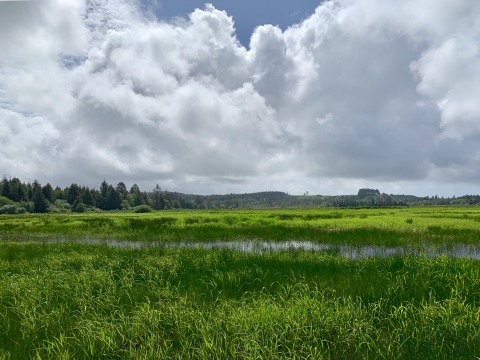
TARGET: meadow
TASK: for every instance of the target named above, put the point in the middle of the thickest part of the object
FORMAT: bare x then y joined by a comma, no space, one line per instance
381,226
74,300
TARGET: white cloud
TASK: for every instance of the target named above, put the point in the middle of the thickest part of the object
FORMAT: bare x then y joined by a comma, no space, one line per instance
24,144
450,74
360,92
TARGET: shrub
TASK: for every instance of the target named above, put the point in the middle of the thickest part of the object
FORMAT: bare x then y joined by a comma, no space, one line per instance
21,210
53,209
5,201
142,209
28,205
125,205
8,209
62,204
80,208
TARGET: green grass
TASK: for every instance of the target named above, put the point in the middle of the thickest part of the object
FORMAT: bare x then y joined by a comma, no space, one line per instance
80,301
395,226
76,301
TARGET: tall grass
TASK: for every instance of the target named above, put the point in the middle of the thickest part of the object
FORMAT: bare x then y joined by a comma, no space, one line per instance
79,301
351,226
74,301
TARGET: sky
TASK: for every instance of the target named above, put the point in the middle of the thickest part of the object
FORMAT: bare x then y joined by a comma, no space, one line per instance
247,14
234,97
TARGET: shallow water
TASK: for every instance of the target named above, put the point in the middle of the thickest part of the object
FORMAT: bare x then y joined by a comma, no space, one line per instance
262,247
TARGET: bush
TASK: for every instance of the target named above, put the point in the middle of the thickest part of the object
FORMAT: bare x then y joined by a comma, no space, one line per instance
21,210
80,208
62,205
8,209
125,205
53,209
142,209
5,201
176,204
28,205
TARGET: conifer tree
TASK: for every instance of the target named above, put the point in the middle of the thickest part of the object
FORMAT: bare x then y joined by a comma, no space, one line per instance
113,199
122,189
22,193
13,189
162,202
49,193
29,191
137,195
6,188
157,193
58,193
72,193
102,201
88,198
40,204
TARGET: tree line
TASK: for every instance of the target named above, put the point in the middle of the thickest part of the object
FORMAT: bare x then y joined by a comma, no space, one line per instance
19,197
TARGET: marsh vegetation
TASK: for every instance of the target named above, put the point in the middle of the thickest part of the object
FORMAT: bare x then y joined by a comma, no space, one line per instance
82,301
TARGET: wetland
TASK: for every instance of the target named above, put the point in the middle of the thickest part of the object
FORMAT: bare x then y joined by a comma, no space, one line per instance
322,284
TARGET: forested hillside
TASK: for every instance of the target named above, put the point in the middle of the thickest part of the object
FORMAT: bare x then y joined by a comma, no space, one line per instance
19,197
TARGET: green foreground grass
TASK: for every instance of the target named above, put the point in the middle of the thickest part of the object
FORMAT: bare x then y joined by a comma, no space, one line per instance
80,301
76,301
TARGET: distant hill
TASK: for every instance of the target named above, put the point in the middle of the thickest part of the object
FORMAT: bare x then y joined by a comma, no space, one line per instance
19,197
406,197
270,195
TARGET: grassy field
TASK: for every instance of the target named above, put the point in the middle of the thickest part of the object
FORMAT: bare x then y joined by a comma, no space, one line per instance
80,301
396,226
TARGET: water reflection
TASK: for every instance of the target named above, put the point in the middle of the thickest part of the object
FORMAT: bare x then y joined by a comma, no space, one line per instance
265,247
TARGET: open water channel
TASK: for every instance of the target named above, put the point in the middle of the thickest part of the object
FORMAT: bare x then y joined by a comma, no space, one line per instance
262,247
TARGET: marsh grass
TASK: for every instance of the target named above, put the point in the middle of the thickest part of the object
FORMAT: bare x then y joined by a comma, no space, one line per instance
75,301
80,301
346,226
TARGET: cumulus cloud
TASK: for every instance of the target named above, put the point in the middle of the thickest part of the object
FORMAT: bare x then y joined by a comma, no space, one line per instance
361,92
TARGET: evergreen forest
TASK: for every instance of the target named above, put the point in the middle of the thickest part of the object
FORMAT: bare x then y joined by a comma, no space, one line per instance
18,197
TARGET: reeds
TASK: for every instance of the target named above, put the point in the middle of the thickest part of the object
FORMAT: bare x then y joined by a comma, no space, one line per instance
345,226
76,301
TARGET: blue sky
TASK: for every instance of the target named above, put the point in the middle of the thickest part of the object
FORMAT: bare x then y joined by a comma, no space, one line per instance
247,14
